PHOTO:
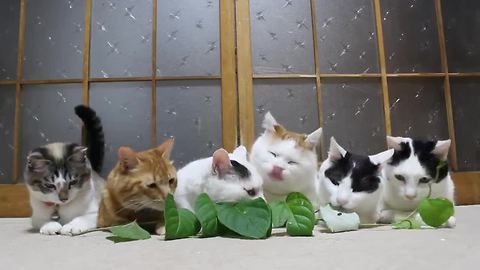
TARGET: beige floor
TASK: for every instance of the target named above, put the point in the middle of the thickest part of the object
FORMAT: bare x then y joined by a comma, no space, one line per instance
379,248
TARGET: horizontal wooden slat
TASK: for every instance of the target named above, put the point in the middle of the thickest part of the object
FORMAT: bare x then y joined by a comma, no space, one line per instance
395,75
7,82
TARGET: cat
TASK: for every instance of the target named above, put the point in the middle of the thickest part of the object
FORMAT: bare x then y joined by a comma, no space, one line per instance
352,183
63,183
139,181
223,177
410,172
287,161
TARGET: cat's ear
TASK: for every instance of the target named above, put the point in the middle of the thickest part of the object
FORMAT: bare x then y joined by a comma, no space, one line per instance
314,137
165,149
220,162
79,154
241,152
127,158
381,157
394,142
36,163
335,152
269,122
441,149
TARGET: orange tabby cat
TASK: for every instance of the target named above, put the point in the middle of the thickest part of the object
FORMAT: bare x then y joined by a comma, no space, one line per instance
140,180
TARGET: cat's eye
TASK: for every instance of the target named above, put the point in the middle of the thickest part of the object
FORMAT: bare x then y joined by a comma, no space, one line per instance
152,185
292,163
424,180
171,181
251,192
273,154
50,186
400,177
72,183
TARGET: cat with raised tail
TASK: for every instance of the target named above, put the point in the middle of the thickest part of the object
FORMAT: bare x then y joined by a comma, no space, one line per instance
415,172
287,161
63,182
353,183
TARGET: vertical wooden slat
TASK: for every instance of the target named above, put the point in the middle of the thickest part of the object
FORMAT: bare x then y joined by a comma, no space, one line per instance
228,61
446,84
154,73
383,66
18,89
244,76
316,54
86,52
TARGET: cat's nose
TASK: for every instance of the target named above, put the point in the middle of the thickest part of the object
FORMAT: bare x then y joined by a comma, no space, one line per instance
410,197
342,201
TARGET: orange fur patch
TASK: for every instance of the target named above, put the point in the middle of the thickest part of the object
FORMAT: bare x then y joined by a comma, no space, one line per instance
282,133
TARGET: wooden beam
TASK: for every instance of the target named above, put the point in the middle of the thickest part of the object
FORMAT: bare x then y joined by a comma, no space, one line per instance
86,52
56,81
415,75
5,82
154,73
14,201
467,187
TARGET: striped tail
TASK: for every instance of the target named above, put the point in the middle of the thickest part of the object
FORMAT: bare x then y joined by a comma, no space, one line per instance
95,136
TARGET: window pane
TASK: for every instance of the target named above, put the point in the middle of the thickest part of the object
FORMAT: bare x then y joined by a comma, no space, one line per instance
346,37
411,36
417,108
126,112
9,16
188,38
7,120
353,113
191,112
281,36
466,100
48,116
293,103
121,39
462,25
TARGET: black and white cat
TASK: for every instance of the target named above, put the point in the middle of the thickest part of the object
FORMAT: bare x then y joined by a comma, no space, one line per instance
63,182
352,183
413,168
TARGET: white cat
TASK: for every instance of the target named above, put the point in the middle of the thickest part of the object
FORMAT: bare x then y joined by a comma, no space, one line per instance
287,161
224,177
352,183
413,168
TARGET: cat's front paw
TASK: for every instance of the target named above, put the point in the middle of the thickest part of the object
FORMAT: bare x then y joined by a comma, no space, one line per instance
51,228
75,227
160,230
452,222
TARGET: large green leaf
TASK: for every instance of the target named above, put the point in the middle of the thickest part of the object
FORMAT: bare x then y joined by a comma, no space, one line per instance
280,214
179,223
302,220
338,221
207,214
252,219
128,232
435,212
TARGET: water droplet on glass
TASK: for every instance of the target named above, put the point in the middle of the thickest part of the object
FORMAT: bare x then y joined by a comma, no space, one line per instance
327,22
62,97
210,144
303,119
171,111
273,35
287,3
394,104
261,109
129,12
263,57
212,45
357,13
113,48
172,35
301,24
104,74
199,24
287,68
290,93
299,44
108,101
175,15
207,99
259,15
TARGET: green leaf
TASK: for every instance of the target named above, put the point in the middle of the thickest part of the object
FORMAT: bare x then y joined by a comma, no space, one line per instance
280,214
339,222
179,223
128,232
207,214
302,220
252,219
435,212
410,223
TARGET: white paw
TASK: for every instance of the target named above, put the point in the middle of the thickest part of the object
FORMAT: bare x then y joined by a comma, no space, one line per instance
451,222
75,227
51,228
160,230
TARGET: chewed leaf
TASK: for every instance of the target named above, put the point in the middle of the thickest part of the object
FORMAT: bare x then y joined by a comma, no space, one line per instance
339,222
207,214
179,223
301,220
280,214
411,223
435,212
128,232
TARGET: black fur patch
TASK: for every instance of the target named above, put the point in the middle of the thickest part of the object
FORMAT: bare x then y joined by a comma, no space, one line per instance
364,174
400,155
95,136
423,150
239,169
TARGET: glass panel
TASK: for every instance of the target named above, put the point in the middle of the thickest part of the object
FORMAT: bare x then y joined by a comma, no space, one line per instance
9,16
53,39
126,112
188,38
191,112
7,120
48,116
353,113
465,99
298,95
281,36
462,25
417,108
411,36
346,37
121,39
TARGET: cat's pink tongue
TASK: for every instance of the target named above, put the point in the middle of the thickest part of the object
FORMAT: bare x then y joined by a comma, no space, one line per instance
276,173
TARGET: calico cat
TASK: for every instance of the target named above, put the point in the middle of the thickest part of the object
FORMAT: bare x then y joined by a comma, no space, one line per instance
287,161
224,177
352,182
63,182
139,181
413,168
